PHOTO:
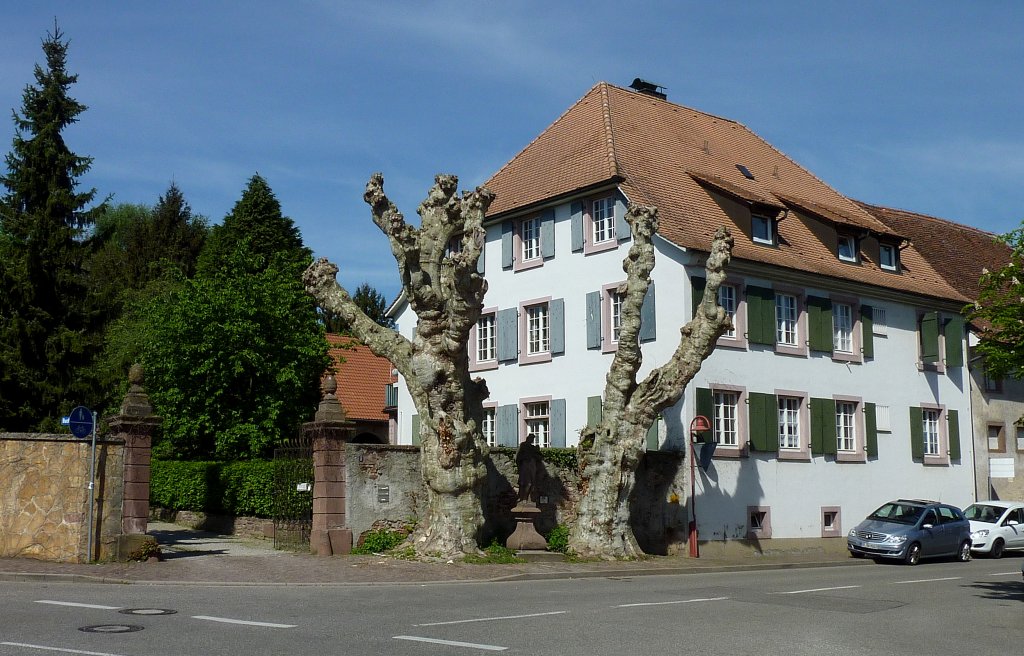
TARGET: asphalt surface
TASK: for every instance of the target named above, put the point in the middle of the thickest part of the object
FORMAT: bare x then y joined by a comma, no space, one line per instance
198,557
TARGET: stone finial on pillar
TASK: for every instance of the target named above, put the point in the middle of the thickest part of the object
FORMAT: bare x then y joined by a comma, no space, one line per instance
135,425
329,431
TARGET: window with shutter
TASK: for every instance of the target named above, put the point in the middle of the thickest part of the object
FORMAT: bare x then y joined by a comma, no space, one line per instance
648,316
483,342
792,424
931,435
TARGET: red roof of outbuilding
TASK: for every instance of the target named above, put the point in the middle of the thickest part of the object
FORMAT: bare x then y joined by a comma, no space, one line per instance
362,377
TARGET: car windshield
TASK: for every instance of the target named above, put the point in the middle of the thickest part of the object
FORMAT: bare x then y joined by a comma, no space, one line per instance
980,512
899,513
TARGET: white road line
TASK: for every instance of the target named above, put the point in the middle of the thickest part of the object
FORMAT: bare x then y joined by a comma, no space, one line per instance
664,603
838,587
246,622
60,649
948,578
75,604
452,643
1006,574
490,619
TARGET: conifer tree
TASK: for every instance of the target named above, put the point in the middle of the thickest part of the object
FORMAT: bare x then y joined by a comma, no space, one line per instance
46,331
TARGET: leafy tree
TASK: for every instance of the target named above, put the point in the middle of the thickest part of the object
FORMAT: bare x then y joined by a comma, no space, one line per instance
371,302
999,312
47,335
234,356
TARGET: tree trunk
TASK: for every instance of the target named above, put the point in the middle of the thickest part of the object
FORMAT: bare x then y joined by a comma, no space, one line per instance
610,452
446,293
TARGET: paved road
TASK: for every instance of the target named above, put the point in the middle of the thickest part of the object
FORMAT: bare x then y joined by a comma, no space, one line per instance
936,608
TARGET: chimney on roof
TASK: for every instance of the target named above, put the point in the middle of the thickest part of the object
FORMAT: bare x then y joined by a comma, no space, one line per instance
649,88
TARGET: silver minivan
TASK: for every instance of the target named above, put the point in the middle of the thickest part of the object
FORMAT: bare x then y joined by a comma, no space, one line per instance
912,529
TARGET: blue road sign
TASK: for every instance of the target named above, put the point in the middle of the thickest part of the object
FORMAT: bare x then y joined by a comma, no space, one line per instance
81,422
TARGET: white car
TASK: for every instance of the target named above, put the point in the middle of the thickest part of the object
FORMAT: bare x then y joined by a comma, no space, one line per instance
995,526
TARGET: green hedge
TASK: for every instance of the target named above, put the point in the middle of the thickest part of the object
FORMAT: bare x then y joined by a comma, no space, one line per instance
230,488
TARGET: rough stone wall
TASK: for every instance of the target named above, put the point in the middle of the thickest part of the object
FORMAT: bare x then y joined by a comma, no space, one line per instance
44,497
384,489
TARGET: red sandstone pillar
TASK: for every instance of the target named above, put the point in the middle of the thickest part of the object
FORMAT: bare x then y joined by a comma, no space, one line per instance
329,431
135,425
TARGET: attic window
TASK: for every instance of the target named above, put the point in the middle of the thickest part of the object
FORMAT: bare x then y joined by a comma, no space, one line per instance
745,171
888,257
762,230
847,248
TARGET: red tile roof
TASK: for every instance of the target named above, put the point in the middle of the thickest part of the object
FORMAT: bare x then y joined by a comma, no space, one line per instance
663,154
361,377
956,251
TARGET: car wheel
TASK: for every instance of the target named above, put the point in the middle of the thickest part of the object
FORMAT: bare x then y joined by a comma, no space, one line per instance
997,549
913,556
964,554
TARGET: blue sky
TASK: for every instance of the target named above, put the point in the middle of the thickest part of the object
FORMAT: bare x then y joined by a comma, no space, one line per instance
915,105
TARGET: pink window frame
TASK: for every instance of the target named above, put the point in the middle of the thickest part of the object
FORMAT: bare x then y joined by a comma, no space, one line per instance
765,532
491,405
588,227
739,338
518,263
856,332
608,343
859,453
801,347
804,422
523,431
483,365
742,423
836,531
943,458
524,347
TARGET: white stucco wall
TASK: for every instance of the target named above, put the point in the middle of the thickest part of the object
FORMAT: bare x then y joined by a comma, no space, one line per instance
794,491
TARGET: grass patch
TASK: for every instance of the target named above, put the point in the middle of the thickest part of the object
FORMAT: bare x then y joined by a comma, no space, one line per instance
495,553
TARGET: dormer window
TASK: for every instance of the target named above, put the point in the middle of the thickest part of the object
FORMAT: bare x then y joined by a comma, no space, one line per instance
847,248
762,230
888,257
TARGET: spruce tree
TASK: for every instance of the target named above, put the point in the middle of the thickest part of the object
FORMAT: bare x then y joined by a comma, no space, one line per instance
46,336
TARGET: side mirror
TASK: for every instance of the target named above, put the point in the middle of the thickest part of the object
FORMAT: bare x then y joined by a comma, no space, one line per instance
1012,522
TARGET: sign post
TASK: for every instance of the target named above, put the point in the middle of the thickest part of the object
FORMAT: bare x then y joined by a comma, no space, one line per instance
83,424
699,424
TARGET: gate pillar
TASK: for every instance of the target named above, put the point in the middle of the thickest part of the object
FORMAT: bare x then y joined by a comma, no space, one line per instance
328,432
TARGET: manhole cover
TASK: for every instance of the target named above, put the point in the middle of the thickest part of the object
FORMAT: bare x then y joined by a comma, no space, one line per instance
147,611
111,628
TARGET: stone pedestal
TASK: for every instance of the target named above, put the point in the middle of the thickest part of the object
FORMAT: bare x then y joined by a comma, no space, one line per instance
135,425
526,537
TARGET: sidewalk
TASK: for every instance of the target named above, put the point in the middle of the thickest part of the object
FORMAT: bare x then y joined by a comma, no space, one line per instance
193,557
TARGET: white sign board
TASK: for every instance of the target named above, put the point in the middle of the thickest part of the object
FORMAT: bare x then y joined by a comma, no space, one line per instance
1000,468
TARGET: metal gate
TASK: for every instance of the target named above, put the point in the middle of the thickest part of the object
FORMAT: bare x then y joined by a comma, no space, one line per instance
293,494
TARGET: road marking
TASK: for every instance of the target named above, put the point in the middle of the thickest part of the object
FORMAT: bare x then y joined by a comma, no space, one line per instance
60,649
246,622
1006,574
75,604
838,587
663,603
948,578
490,619
452,643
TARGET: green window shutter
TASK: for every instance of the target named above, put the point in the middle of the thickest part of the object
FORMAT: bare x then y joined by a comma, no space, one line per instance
870,430
823,426
648,316
507,229
556,310
547,233
761,315
622,231
930,337
593,320
506,424
953,417
697,284
652,435
819,323
576,227
595,411
867,328
916,433
706,407
954,335
763,421
415,430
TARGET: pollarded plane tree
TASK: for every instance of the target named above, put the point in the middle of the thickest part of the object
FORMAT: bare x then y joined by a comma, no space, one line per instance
611,450
446,293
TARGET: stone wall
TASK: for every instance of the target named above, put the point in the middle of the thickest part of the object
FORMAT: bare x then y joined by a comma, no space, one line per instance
384,489
44,498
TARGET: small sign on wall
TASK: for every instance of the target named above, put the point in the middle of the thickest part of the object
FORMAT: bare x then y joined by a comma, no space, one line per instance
303,487
383,494
1000,468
